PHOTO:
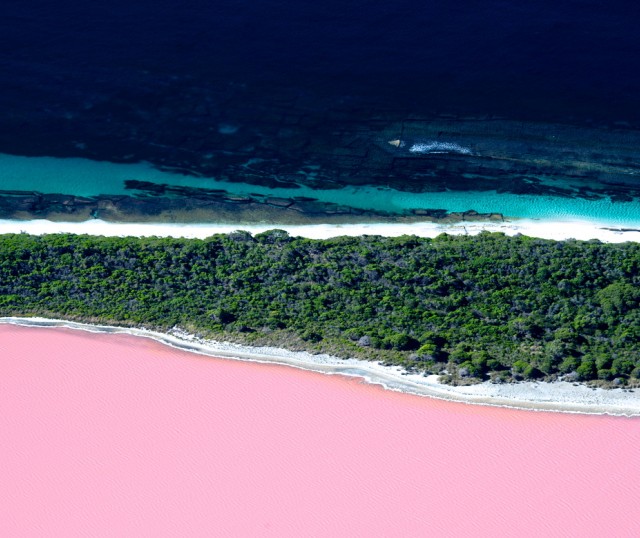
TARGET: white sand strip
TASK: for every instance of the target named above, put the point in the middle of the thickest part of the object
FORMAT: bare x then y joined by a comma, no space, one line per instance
559,396
558,230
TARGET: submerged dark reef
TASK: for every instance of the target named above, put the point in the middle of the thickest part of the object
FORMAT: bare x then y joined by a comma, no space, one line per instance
164,203
284,137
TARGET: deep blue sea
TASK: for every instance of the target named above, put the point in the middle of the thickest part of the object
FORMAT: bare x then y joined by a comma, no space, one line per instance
576,58
276,94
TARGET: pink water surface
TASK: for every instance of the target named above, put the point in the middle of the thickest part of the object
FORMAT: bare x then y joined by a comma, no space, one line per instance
112,435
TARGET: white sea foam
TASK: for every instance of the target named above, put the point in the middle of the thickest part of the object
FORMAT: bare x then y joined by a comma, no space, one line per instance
439,147
545,229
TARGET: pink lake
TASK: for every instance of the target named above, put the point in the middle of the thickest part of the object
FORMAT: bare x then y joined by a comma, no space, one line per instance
113,435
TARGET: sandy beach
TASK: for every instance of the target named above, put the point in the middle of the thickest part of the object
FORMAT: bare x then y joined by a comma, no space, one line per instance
557,230
559,396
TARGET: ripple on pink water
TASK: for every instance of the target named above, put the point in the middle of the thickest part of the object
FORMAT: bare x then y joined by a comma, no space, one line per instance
122,436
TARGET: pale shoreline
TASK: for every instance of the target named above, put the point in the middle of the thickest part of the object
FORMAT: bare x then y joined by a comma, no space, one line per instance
545,229
559,396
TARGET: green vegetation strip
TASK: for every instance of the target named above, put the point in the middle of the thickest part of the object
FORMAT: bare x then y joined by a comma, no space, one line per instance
483,307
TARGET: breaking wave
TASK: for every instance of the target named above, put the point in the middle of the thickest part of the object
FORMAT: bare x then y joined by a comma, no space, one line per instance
439,147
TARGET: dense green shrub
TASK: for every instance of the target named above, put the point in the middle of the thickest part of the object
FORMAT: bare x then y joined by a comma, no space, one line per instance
520,306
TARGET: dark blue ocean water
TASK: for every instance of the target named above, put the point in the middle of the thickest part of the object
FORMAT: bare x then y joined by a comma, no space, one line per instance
576,58
300,94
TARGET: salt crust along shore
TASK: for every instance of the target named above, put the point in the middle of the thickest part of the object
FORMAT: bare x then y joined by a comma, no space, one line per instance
545,229
558,396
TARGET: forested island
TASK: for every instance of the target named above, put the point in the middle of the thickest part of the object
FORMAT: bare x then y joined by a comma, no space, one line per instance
472,308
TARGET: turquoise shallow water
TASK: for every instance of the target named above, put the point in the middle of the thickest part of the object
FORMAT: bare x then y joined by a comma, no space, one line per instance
83,177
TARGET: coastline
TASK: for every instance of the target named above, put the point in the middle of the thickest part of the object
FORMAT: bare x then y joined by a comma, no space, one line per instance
559,396
545,229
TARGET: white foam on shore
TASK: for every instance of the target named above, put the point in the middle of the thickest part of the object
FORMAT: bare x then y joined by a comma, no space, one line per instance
538,396
558,230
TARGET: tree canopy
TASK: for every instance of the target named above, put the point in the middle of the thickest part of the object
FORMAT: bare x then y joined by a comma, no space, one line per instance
481,307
